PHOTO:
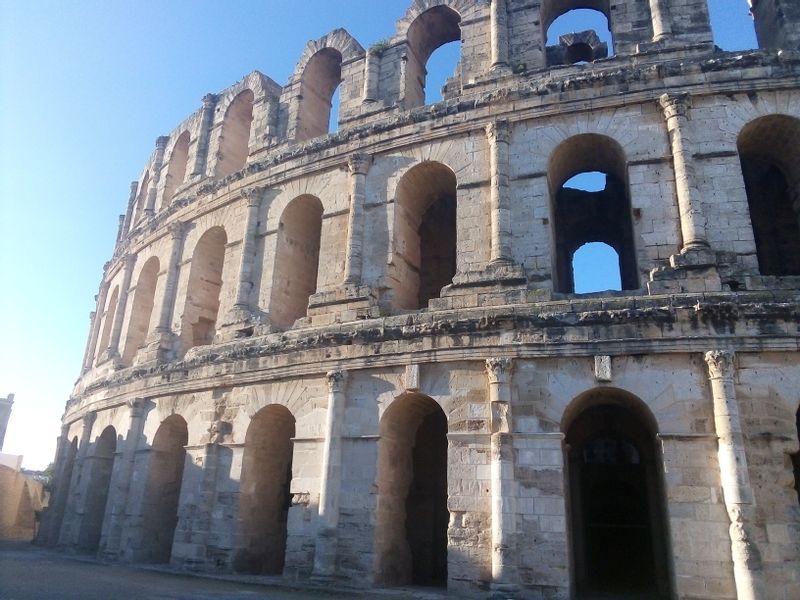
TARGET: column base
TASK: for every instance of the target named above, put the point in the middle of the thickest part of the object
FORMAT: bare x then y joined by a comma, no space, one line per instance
162,346
693,270
349,302
242,322
503,591
499,283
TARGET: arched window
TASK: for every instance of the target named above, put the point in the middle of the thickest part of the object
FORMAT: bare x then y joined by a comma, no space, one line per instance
141,199
264,496
616,499
320,80
234,140
108,324
424,255
296,260
597,209
142,310
411,515
99,466
431,30
769,149
176,170
201,309
163,490
576,31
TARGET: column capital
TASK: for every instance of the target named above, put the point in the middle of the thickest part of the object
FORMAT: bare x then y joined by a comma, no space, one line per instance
675,105
254,195
136,406
128,261
721,364
499,369
88,420
161,141
209,100
499,131
359,164
177,229
336,380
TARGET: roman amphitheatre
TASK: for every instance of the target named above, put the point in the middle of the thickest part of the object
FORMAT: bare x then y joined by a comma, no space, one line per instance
358,357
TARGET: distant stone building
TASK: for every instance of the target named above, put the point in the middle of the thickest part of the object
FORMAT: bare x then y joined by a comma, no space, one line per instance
5,414
359,356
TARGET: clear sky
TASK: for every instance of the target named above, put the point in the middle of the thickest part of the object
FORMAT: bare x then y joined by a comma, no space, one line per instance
86,86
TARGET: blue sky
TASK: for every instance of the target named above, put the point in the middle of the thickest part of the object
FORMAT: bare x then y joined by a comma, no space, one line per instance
86,86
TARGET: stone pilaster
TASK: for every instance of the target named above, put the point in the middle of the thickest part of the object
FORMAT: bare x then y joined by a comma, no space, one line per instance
121,481
498,135
131,204
330,484
243,315
112,352
96,317
372,65
161,343
158,162
662,24
498,371
358,165
76,493
735,477
206,122
693,222
499,35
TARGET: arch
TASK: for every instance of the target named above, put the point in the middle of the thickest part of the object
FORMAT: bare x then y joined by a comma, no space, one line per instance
163,489
176,168
411,514
580,216
578,34
616,501
769,151
429,31
234,139
201,309
108,324
100,467
296,260
141,199
142,309
425,232
553,9
264,492
318,82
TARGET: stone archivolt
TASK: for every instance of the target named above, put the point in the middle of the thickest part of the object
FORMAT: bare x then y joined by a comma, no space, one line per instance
359,355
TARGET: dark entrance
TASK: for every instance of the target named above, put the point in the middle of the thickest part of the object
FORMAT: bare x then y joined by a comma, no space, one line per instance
618,532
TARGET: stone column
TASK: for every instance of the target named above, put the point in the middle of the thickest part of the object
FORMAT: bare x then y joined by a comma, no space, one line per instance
112,352
131,203
499,33
97,317
121,480
71,521
372,65
206,122
498,370
735,478
243,310
330,485
693,222
358,165
498,135
158,162
662,26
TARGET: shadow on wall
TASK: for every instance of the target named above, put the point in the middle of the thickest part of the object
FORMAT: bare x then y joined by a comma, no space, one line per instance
21,498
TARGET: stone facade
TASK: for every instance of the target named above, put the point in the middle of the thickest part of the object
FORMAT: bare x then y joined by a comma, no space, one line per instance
359,357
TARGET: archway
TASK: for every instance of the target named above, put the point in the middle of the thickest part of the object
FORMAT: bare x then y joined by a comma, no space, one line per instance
142,310
234,139
616,500
411,514
296,260
176,170
100,466
431,30
264,492
424,254
769,150
320,80
163,489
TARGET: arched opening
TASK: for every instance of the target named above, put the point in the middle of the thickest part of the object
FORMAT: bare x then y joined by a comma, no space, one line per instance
796,458
769,149
264,492
59,502
431,30
176,170
424,255
411,515
296,260
142,310
595,268
108,324
141,199
163,489
597,209
615,498
202,294
320,79
234,140
576,31
100,466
